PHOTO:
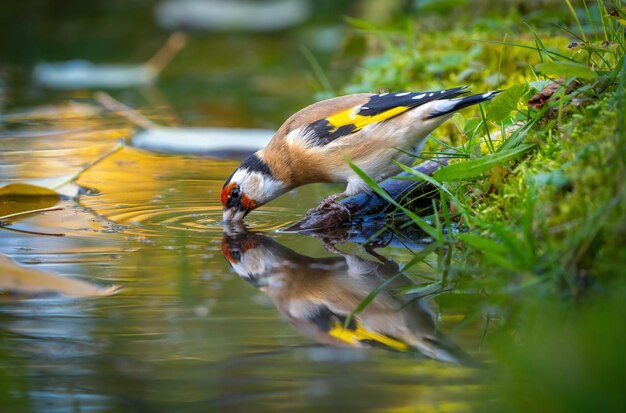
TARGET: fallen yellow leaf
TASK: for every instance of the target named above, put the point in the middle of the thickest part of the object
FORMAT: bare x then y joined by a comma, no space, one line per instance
20,280
23,189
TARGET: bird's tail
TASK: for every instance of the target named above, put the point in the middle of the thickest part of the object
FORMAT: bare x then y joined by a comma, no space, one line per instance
446,106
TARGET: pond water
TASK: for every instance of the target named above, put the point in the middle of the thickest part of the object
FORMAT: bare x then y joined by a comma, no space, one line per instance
208,317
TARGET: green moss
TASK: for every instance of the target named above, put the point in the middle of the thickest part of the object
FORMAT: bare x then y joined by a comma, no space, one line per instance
543,246
573,177
563,198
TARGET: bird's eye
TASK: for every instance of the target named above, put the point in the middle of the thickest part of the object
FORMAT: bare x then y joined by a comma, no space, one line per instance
235,193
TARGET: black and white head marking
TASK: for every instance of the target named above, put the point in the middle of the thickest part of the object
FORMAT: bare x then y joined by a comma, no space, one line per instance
256,181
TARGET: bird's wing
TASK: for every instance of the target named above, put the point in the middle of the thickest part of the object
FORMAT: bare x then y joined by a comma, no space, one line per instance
345,119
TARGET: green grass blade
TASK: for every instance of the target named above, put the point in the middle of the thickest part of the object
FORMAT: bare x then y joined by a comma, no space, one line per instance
383,194
580,26
486,126
421,290
519,134
417,258
444,144
473,168
436,184
523,46
318,71
593,26
369,298
500,62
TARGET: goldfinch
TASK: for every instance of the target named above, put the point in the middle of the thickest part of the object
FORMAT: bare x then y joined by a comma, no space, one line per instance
316,295
370,130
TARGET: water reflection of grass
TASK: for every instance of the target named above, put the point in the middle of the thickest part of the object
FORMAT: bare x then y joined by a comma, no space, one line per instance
545,234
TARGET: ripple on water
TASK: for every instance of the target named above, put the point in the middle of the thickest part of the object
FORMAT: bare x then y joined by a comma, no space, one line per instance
148,220
153,195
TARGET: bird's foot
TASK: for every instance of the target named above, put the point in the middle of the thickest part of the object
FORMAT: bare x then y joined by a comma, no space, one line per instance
329,203
331,206
334,197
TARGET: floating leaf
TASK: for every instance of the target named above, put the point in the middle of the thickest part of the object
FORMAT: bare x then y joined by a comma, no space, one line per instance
52,187
256,16
23,206
475,167
23,198
227,142
21,189
69,110
206,141
83,74
45,187
19,280
567,69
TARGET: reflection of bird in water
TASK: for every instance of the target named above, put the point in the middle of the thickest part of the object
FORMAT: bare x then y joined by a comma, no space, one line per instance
317,295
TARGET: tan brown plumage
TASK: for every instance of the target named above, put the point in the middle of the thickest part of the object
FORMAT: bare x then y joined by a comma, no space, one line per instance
294,163
314,144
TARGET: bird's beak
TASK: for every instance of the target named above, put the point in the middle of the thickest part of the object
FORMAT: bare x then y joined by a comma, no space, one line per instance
234,214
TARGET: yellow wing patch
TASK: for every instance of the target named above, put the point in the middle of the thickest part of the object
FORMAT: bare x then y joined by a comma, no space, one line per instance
351,117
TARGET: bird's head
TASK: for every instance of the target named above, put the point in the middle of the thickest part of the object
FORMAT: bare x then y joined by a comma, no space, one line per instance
250,186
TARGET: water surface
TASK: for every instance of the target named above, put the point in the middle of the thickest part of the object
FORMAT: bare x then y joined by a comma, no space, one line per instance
189,327
207,317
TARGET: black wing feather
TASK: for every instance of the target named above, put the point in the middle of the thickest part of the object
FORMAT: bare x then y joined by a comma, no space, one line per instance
385,101
322,131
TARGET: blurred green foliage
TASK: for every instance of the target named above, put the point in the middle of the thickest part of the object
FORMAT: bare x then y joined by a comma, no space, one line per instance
539,188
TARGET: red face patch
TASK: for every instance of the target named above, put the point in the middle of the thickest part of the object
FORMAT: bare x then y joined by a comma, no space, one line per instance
248,203
239,200
226,193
